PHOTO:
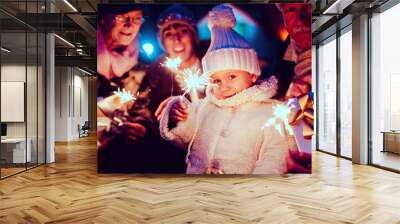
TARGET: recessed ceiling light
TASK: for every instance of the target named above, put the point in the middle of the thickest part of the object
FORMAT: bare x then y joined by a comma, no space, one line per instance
5,50
70,5
84,71
65,41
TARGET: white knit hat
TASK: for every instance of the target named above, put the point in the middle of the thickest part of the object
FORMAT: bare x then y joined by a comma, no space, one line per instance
228,49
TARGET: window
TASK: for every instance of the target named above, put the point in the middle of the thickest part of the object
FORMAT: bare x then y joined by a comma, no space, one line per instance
385,88
346,93
327,96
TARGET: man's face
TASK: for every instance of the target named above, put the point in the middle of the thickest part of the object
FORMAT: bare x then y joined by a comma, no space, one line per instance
231,82
125,28
178,41
297,18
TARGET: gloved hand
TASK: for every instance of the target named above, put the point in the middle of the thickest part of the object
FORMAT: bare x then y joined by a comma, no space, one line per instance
179,111
161,108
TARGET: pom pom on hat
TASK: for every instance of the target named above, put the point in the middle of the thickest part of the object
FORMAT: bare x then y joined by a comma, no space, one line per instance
221,16
228,49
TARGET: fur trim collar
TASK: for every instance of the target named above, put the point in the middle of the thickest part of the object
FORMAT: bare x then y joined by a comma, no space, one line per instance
261,92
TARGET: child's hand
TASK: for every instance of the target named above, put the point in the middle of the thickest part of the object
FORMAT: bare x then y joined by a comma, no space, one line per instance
179,112
161,108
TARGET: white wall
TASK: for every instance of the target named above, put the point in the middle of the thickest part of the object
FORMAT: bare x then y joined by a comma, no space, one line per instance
71,94
81,103
33,127
61,103
13,73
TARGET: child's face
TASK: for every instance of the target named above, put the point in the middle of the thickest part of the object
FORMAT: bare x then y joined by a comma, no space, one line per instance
230,82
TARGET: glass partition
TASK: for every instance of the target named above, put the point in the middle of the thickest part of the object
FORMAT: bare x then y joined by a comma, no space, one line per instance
13,103
22,77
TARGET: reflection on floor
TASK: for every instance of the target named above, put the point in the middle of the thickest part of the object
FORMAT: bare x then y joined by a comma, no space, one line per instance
386,159
10,169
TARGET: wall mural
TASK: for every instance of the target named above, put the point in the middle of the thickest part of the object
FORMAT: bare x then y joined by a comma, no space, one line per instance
204,89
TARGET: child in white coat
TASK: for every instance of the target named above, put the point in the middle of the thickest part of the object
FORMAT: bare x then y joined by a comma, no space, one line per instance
223,133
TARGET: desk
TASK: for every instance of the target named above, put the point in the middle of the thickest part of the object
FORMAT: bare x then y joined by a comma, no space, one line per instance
391,141
15,148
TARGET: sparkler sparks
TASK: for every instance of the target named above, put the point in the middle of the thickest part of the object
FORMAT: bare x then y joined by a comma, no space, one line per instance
280,112
189,79
193,80
125,96
172,64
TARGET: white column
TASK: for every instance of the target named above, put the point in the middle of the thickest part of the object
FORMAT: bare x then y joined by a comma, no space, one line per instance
50,99
50,93
360,90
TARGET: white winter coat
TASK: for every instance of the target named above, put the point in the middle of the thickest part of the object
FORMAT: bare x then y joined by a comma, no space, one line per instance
226,136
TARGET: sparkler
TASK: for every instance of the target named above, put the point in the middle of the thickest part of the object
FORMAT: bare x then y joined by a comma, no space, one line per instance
280,112
172,64
193,81
124,96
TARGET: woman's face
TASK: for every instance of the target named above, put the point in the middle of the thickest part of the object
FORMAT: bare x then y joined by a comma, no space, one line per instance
178,41
231,82
124,29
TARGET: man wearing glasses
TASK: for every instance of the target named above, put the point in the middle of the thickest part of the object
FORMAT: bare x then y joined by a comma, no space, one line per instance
123,129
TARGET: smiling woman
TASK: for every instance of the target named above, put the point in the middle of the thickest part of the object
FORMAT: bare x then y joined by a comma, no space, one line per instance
178,36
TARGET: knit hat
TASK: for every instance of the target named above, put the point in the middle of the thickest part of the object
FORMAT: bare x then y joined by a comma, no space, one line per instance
228,49
177,14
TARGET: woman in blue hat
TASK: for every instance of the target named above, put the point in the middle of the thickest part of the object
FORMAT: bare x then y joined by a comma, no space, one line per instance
178,36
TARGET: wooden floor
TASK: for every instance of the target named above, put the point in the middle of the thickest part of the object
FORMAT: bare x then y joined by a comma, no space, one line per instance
71,191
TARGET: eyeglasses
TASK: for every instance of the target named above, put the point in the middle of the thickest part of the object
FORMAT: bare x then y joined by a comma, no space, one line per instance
123,19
